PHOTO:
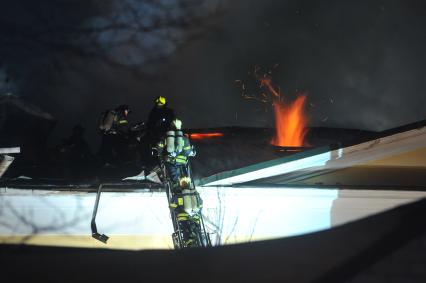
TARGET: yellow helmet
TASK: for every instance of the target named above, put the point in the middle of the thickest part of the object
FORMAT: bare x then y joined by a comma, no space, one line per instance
184,182
161,100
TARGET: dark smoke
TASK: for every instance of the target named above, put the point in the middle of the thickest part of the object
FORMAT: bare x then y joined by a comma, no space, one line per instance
362,63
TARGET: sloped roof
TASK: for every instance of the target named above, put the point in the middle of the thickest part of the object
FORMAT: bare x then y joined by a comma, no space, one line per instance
11,101
396,157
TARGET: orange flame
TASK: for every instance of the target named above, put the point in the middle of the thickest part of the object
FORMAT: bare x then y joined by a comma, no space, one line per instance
200,136
290,123
290,118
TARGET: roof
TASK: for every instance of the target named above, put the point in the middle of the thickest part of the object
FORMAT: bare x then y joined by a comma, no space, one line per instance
394,157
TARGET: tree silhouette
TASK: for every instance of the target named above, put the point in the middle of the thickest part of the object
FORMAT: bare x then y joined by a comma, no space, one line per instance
128,32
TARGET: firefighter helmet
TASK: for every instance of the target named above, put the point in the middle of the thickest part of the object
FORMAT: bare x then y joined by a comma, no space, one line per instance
160,100
184,182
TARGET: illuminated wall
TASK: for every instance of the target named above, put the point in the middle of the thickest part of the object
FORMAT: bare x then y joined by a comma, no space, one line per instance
140,220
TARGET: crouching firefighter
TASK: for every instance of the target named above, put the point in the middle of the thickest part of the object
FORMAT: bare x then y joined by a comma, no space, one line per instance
185,200
114,127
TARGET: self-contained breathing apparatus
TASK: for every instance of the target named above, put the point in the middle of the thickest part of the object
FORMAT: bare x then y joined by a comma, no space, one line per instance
178,149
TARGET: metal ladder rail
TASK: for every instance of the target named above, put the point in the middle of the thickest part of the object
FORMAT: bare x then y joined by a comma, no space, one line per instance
176,226
203,230
95,234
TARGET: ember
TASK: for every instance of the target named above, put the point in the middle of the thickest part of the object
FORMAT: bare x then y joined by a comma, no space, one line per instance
267,82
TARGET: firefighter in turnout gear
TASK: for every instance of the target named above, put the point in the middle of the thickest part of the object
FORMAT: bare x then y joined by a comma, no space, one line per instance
187,204
185,200
115,121
114,126
160,117
157,123
175,149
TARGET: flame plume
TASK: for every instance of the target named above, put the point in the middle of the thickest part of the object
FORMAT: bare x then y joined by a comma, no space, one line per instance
290,123
290,118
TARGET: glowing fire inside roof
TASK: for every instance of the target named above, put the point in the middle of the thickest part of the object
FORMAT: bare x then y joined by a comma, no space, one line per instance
201,136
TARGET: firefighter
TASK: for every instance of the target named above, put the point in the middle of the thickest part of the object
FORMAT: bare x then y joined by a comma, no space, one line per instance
175,149
157,124
160,117
115,121
114,126
187,205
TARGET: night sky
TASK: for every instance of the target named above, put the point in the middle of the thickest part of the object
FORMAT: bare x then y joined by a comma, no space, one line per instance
362,64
